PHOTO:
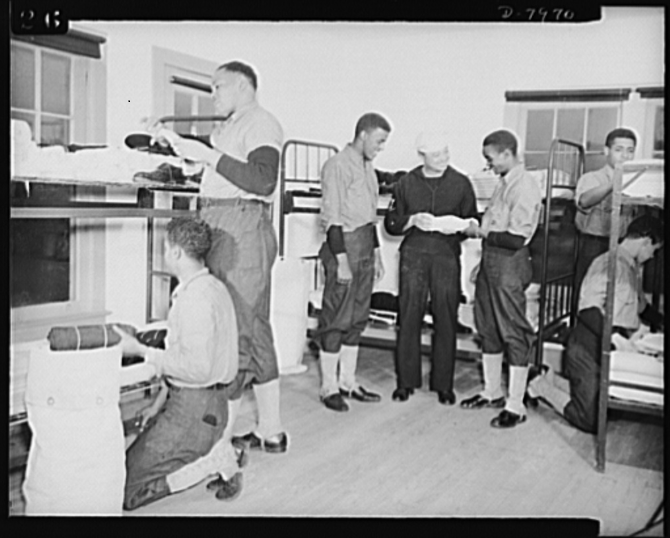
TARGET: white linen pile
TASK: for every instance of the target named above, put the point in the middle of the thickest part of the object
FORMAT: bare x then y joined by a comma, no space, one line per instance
111,164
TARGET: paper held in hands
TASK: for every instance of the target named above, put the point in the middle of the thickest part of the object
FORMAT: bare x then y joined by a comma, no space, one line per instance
451,224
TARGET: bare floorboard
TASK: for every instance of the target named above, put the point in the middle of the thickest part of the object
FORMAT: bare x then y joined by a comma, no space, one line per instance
420,458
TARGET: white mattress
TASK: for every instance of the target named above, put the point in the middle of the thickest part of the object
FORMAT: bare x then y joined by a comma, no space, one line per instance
638,369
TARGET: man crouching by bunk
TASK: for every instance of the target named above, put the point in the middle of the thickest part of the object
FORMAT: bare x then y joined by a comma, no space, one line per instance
182,445
432,204
505,271
351,259
576,395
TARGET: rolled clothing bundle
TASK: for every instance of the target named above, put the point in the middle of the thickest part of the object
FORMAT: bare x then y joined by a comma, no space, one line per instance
75,338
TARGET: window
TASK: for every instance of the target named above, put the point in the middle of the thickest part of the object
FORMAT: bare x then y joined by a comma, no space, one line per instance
659,133
586,125
57,265
192,102
41,84
41,92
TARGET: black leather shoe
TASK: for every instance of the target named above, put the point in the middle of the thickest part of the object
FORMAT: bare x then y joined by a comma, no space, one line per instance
479,402
401,395
446,397
335,402
361,395
530,401
507,419
242,461
275,444
215,484
230,489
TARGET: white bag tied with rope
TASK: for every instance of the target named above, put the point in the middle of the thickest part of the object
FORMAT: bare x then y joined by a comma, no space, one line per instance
76,463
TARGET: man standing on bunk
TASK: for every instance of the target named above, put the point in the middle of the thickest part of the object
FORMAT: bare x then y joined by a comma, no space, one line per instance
593,197
429,206
351,259
236,193
575,396
505,271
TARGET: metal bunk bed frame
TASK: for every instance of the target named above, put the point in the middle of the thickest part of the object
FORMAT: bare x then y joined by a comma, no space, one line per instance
558,300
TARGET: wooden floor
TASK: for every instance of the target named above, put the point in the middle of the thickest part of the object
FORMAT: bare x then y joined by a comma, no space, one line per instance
420,458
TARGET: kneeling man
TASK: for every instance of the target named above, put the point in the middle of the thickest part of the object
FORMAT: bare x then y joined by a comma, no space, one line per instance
179,446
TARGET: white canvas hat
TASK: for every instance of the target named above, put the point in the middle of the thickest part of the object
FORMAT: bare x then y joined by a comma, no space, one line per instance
429,141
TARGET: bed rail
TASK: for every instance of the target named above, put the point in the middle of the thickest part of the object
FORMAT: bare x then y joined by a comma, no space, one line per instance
301,163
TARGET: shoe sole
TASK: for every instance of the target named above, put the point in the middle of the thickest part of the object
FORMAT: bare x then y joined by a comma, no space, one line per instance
484,406
499,426
248,446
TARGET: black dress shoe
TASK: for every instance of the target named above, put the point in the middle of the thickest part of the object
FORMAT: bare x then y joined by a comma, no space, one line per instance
275,444
401,395
361,395
335,402
229,490
478,402
446,397
242,460
507,419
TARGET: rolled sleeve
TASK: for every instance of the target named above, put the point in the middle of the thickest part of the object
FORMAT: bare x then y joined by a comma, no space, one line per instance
266,133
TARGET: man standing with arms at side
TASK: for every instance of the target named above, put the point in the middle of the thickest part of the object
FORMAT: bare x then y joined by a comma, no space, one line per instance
236,193
351,259
505,271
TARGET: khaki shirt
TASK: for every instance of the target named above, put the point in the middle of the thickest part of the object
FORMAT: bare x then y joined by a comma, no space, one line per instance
249,128
596,219
350,191
628,302
202,334
515,205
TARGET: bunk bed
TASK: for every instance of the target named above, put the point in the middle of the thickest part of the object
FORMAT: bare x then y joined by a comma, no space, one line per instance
630,382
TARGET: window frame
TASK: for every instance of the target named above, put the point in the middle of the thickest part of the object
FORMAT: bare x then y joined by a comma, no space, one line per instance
37,111
86,302
525,107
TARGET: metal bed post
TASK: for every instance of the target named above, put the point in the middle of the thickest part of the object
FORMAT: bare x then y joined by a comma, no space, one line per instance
603,396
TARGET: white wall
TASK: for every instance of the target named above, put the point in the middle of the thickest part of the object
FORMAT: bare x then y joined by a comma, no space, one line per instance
318,78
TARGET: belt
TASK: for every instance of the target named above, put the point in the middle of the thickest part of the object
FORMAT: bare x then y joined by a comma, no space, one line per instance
215,386
230,202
